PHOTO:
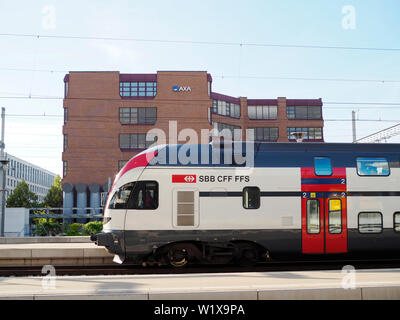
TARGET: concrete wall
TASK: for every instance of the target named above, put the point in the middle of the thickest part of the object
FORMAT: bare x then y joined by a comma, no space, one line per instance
16,222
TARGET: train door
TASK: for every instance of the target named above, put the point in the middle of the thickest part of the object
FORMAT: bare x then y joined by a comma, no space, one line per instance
324,222
185,208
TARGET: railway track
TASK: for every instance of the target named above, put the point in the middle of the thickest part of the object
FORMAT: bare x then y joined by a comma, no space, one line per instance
98,270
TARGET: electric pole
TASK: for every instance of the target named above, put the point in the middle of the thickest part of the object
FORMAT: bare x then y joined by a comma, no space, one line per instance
4,163
353,121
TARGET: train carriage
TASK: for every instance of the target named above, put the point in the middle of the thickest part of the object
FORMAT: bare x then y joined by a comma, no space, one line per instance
171,204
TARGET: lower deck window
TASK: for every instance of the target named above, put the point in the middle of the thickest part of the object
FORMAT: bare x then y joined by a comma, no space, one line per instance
370,222
396,220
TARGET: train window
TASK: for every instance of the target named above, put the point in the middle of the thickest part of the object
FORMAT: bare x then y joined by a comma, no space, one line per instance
396,220
322,166
335,216
144,196
251,198
313,219
185,208
121,197
370,222
373,167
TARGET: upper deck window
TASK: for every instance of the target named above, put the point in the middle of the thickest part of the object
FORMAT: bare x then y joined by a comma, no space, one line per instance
373,167
138,89
322,166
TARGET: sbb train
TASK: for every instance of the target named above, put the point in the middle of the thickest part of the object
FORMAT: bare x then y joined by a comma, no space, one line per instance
296,200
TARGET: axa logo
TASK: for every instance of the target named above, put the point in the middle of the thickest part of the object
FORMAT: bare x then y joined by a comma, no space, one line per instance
181,89
183,178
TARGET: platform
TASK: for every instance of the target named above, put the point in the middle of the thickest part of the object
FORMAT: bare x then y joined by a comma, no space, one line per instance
316,285
72,251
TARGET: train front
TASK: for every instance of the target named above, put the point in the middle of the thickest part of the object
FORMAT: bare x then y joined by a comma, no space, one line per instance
113,235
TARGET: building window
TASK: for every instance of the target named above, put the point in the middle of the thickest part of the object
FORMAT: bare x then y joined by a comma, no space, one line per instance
372,167
311,133
322,166
138,89
66,89
65,166
138,115
251,198
65,142
263,112
65,115
396,221
135,141
370,222
265,134
121,164
233,129
304,112
226,108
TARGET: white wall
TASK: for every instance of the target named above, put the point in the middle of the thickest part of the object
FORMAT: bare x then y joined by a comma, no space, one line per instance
16,222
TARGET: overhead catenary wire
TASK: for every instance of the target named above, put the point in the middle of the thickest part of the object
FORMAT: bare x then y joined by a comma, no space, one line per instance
193,42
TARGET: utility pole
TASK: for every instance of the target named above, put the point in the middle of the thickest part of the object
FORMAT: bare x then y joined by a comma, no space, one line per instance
4,163
353,121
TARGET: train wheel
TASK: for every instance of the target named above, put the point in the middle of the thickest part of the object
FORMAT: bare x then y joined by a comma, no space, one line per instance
178,257
248,255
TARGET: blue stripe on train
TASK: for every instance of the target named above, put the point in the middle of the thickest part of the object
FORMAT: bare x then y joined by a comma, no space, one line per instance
323,181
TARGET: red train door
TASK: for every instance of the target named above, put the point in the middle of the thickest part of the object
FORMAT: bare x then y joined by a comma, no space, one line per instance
324,212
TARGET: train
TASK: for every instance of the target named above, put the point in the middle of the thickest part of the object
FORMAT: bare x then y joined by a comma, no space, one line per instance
256,202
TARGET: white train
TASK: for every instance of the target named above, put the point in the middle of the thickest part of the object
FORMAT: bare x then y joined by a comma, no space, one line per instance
298,200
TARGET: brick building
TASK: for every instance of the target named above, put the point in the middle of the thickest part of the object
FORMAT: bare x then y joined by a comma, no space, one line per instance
107,115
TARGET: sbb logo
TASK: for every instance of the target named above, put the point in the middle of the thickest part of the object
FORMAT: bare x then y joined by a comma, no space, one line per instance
183,178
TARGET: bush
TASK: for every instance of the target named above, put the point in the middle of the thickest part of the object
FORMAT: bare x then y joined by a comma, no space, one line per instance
92,227
73,229
44,228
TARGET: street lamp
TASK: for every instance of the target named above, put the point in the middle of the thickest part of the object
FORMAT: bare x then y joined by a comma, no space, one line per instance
4,163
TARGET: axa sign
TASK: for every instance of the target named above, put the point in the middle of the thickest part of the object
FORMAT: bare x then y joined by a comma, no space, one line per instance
181,89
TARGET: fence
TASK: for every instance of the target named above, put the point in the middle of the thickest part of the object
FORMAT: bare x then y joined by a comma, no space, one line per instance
59,220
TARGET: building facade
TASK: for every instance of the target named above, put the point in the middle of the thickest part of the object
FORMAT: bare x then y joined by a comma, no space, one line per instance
108,114
38,179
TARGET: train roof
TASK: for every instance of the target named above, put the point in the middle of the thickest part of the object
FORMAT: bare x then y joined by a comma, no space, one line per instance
272,154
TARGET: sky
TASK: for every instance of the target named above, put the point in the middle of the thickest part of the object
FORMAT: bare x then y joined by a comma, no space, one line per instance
232,40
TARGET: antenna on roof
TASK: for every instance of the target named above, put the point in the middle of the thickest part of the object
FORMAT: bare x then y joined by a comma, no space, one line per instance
299,136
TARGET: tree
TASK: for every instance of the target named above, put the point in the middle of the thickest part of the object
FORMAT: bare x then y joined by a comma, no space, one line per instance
54,197
22,197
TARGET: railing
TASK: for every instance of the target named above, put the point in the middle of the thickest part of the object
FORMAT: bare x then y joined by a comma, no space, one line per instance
67,216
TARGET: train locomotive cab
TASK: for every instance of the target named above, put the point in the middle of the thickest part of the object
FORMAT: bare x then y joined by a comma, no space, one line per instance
127,193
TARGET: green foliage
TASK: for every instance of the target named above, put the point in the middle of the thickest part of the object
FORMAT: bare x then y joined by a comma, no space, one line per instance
93,227
44,228
73,229
22,197
54,197
53,228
